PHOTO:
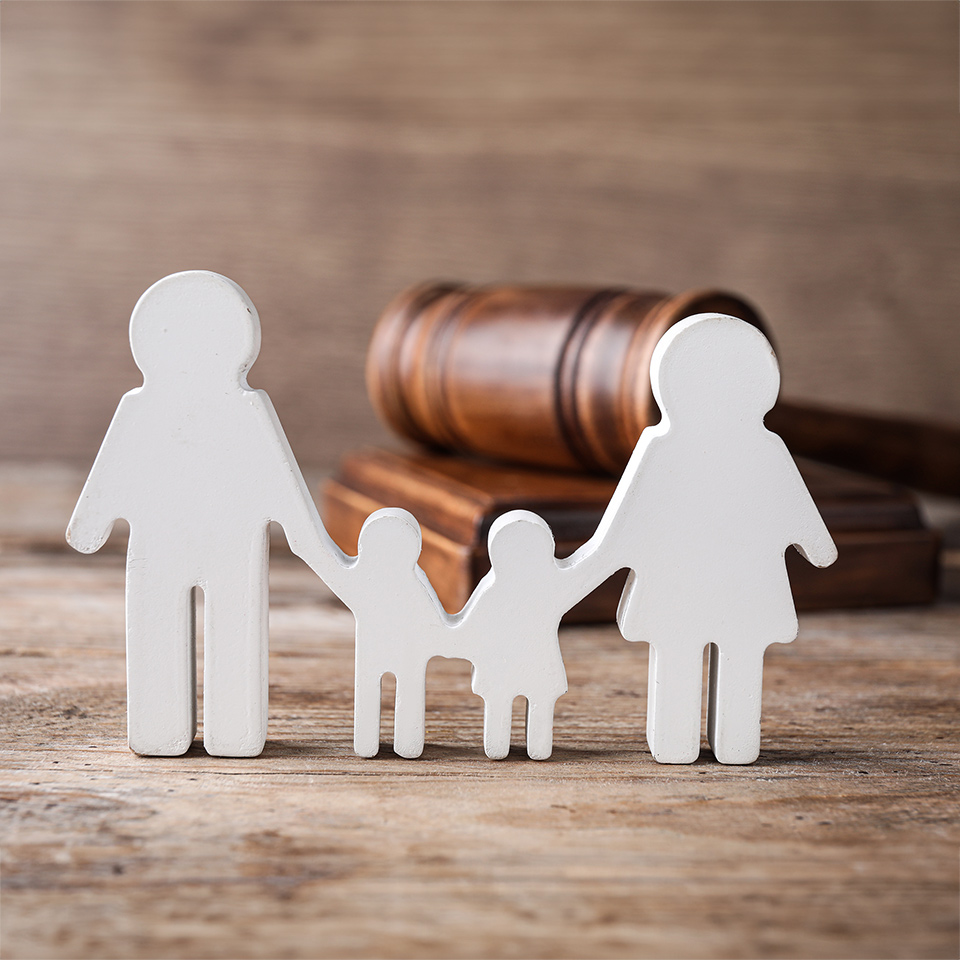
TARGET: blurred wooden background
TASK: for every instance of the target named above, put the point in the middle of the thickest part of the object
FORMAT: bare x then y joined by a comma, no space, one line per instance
324,155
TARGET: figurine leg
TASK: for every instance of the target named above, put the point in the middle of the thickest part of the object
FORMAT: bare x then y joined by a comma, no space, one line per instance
540,728
733,704
235,667
161,662
366,712
674,691
497,720
409,714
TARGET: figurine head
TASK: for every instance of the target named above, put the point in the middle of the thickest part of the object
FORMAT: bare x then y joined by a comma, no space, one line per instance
710,367
519,541
197,326
390,536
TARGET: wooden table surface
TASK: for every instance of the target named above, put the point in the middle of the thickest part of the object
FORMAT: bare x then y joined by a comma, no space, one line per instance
841,841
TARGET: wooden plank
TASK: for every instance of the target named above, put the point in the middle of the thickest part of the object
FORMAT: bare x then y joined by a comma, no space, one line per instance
841,841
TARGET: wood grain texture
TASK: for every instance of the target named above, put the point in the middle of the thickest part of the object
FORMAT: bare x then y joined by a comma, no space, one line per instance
887,555
551,376
841,841
557,376
923,454
327,155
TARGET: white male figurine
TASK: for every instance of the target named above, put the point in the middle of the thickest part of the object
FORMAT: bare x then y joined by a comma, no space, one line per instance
508,628
707,505
198,465
400,626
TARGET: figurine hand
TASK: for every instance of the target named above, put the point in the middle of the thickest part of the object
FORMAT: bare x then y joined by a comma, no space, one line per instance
85,536
821,553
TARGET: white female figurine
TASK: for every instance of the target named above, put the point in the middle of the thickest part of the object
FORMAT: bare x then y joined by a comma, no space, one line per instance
707,505
509,628
198,464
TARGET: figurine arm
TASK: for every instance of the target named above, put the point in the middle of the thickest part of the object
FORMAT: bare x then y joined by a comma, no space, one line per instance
101,501
464,627
486,582
305,532
308,537
813,540
444,619
292,506
317,549
582,572
809,533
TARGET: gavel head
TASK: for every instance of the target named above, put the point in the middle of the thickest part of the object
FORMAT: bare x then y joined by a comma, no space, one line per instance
550,376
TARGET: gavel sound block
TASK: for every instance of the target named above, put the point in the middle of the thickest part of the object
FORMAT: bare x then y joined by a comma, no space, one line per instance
886,555
552,384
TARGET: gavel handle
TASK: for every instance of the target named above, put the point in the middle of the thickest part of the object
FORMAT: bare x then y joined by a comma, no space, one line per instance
916,453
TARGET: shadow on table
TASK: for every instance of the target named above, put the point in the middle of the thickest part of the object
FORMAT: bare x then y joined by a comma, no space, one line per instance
773,760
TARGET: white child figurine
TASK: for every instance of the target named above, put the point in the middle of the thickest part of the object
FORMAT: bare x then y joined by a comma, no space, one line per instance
198,464
508,628
400,626
707,505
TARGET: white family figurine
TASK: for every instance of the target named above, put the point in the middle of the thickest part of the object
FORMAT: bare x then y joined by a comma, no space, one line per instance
198,465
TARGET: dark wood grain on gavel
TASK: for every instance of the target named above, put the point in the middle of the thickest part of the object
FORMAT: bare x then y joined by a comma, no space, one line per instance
559,376
550,376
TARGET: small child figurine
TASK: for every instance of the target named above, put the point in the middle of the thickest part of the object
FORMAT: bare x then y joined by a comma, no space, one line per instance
400,626
707,505
508,628
198,465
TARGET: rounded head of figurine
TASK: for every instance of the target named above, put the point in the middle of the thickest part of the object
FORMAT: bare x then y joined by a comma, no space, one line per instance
198,325
518,540
713,367
390,535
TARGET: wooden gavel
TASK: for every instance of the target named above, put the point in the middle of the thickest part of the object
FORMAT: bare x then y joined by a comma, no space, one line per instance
559,376
552,376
